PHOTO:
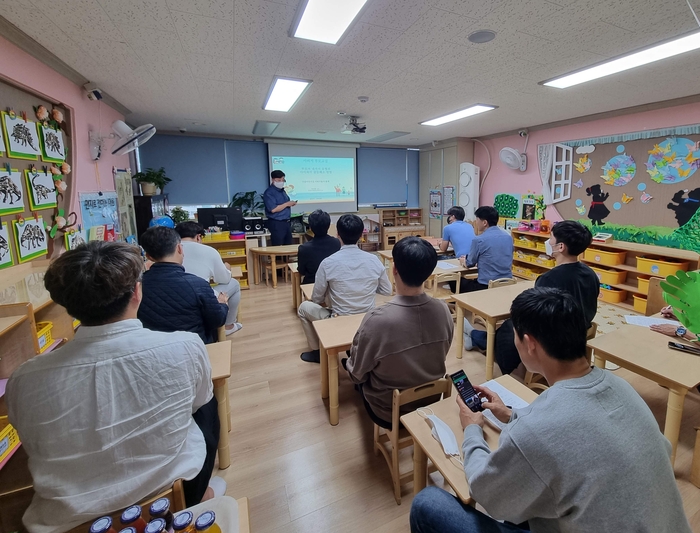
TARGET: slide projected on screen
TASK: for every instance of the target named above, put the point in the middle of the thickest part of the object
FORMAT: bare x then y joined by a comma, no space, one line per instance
318,179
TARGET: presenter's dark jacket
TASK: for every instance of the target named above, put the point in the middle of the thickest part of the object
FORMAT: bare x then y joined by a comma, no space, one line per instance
312,253
274,197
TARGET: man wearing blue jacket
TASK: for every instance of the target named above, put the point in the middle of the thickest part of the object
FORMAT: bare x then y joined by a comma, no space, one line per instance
172,299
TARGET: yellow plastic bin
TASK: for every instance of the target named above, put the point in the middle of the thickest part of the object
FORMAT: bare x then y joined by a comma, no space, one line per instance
613,296
659,267
605,258
610,277
43,333
640,304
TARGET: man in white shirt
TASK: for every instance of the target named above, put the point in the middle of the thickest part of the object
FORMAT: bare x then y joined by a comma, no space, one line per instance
205,262
118,413
349,279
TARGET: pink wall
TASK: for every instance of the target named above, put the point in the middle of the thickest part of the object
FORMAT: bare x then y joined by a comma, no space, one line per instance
22,69
501,179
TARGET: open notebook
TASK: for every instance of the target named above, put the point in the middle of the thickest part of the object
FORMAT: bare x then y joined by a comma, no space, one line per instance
508,397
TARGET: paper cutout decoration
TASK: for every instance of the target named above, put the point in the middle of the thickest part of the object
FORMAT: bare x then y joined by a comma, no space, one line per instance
75,238
578,184
30,239
587,149
5,240
21,137
11,192
619,170
673,160
52,148
626,199
583,165
581,209
42,191
507,205
557,170
646,198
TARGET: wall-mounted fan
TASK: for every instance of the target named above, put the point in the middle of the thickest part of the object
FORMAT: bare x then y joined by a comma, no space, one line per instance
127,139
514,159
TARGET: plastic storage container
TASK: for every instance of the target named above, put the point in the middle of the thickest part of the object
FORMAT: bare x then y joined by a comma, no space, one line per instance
604,258
643,285
659,267
610,277
640,304
43,334
613,296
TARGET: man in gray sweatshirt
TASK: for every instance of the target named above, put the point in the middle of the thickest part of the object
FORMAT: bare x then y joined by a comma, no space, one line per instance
586,456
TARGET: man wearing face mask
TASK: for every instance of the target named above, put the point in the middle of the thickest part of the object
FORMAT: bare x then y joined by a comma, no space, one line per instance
568,241
458,232
278,210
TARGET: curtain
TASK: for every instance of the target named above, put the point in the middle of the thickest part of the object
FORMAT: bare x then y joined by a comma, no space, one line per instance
545,158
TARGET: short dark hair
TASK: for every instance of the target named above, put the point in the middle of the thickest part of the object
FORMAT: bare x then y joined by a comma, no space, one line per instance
350,228
276,174
574,235
95,281
189,229
159,242
554,318
415,259
456,211
487,213
319,222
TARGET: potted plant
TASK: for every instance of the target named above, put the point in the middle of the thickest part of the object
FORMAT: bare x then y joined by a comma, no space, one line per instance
251,203
178,214
152,180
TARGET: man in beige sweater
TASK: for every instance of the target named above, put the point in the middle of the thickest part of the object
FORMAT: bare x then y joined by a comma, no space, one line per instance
404,343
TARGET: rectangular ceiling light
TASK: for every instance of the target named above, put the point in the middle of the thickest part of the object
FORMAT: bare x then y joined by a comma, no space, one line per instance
284,93
326,21
626,62
464,113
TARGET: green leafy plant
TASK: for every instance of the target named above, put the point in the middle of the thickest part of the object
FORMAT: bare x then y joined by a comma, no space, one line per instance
156,177
178,214
251,203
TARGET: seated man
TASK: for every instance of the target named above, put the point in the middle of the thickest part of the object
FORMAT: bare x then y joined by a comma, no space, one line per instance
403,343
458,232
586,455
311,253
118,413
174,300
491,251
568,241
349,278
205,262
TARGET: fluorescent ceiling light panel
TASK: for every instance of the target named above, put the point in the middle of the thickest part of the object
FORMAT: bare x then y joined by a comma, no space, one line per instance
464,113
284,93
326,21
636,59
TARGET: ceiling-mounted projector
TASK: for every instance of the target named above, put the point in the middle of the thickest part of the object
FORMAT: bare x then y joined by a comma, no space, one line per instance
353,127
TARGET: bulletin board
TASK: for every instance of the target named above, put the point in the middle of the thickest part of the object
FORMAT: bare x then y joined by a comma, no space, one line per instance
34,184
645,191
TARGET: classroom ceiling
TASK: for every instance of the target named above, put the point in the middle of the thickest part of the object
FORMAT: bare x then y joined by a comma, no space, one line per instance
207,65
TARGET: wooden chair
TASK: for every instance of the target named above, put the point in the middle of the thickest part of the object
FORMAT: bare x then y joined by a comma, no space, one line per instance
655,297
532,380
502,282
175,494
390,441
281,264
695,468
446,295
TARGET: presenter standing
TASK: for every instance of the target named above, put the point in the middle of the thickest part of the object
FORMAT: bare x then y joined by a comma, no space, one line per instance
278,210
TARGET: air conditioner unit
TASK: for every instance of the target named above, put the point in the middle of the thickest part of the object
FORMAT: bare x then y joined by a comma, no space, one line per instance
469,189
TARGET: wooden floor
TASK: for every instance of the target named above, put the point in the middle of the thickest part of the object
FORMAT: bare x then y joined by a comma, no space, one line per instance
300,473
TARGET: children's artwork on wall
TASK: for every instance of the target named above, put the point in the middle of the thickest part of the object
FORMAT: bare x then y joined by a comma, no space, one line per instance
75,238
99,209
684,205
30,238
435,203
42,191
619,170
578,184
673,160
52,147
21,137
11,192
528,212
534,207
598,211
626,199
583,165
5,248
507,205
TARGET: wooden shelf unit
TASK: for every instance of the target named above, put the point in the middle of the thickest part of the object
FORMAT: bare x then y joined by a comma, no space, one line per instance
234,253
395,224
536,268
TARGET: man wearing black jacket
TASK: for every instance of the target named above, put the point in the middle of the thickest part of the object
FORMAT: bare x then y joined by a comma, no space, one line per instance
172,299
317,249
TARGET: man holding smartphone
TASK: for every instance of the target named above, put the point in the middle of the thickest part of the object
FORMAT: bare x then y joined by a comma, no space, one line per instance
586,455
278,210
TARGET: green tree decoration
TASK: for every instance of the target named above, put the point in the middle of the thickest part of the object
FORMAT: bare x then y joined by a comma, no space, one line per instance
506,205
682,293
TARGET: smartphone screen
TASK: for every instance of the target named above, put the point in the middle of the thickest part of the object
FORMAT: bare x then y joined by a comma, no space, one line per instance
684,348
466,391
